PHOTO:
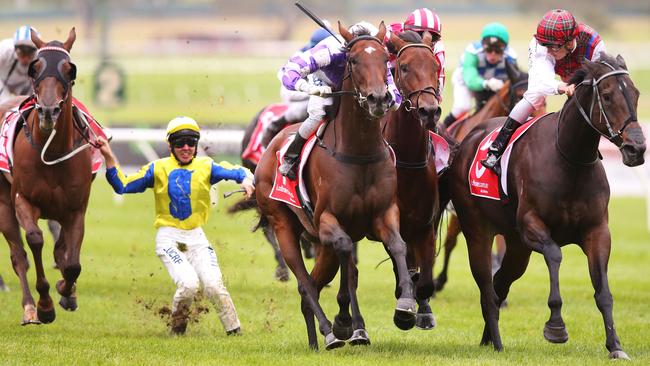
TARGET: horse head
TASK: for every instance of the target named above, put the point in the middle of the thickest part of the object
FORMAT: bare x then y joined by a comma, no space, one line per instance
52,76
416,75
517,86
607,100
366,70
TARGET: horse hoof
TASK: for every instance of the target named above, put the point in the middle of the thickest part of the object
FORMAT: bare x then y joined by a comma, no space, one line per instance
282,274
555,334
619,355
425,321
68,303
342,330
30,321
404,317
30,315
360,338
46,317
331,342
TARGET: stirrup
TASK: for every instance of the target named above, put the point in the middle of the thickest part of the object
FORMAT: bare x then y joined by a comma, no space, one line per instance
287,170
492,162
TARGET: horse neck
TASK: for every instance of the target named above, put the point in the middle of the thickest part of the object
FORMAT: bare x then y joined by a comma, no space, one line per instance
63,140
407,136
358,133
492,108
576,140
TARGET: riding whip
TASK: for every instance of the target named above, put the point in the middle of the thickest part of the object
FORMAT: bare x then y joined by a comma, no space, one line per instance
228,194
316,19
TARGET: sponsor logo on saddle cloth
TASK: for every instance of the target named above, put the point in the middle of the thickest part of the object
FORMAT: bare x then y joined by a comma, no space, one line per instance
254,149
10,123
482,181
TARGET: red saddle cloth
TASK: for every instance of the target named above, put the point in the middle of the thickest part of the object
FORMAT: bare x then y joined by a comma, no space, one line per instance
482,181
254,149
284,189
10,123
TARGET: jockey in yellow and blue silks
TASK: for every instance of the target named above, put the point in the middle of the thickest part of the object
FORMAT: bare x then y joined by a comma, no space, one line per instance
181,185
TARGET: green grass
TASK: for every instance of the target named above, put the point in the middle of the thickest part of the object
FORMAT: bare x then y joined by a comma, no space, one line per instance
123,283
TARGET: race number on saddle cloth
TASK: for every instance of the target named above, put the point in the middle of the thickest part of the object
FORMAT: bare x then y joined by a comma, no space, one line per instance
484,182
254,149
16,117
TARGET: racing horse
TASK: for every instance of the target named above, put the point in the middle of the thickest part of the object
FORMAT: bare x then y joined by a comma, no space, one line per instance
416,76
51,178
558,195
352,185
499,104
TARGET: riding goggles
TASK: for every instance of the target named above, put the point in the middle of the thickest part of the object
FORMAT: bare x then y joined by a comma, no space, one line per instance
181,142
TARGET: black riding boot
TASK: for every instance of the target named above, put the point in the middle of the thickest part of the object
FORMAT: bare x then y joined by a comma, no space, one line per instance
292,157
499,145
449,120
272,129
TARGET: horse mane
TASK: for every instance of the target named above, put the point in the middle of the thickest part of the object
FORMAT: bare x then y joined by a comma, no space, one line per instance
408,36
581,74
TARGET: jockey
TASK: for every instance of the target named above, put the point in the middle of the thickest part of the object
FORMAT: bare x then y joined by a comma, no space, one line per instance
558,48
481,71
15,56
181,185
295,100
325,63
419,21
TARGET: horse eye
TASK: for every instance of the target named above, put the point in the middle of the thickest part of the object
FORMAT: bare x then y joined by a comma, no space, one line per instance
353,60
403,68
606,98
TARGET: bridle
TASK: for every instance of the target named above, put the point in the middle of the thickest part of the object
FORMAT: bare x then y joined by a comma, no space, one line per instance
614,136
408,104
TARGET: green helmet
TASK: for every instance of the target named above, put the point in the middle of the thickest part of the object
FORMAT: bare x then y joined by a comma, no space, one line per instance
497,30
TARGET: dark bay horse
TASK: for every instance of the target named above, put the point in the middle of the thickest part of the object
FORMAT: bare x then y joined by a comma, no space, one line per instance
416,76
352,183
51,178
497,105
558,195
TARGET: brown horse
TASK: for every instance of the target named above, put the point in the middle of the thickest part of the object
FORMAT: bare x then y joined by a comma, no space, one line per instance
499,104
416,76
51,178
352,183
558,195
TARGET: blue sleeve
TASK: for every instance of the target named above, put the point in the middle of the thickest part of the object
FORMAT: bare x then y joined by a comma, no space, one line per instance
134,183
220,173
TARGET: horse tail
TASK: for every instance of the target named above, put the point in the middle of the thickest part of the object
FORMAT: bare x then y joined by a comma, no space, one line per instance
243,205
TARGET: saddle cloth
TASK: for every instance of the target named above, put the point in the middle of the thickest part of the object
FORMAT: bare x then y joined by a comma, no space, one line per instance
10,126
441,151
484,182
254,149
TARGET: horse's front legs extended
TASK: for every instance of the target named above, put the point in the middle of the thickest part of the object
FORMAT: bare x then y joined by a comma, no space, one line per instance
597,245
27,216
386,228
66,254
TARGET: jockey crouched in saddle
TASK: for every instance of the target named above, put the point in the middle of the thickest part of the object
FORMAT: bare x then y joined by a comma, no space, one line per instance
326,64
295,100
181,185
558,48
420,21
482,70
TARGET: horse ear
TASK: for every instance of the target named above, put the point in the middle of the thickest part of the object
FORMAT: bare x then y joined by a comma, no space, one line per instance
37,41
71,38
426,38
382,31
395,43
513,71
72,74
621,62
347,36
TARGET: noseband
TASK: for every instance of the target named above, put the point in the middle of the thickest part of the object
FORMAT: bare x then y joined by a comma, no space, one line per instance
408,105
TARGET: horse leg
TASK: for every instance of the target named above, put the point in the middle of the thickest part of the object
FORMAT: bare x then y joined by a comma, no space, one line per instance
453,230
281,271
512,267
536,235
424,286
333,238
386,229
27,216
66,252
597,245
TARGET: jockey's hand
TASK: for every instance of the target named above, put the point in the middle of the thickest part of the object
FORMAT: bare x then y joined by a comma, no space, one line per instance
321,91
249,186
567,89
107,153
493,84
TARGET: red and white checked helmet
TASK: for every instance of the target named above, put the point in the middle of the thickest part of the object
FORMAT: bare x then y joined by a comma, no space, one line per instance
557,27
423,19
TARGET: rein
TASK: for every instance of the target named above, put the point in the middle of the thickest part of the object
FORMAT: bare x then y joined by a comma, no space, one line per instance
611,135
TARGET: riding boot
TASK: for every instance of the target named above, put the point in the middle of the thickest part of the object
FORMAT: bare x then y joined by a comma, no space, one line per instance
292,157
499,145
449,120
272,129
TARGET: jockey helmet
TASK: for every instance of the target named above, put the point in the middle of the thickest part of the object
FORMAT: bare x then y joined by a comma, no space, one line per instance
363,27
23,37
182,127
495,33
557,27
423,19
